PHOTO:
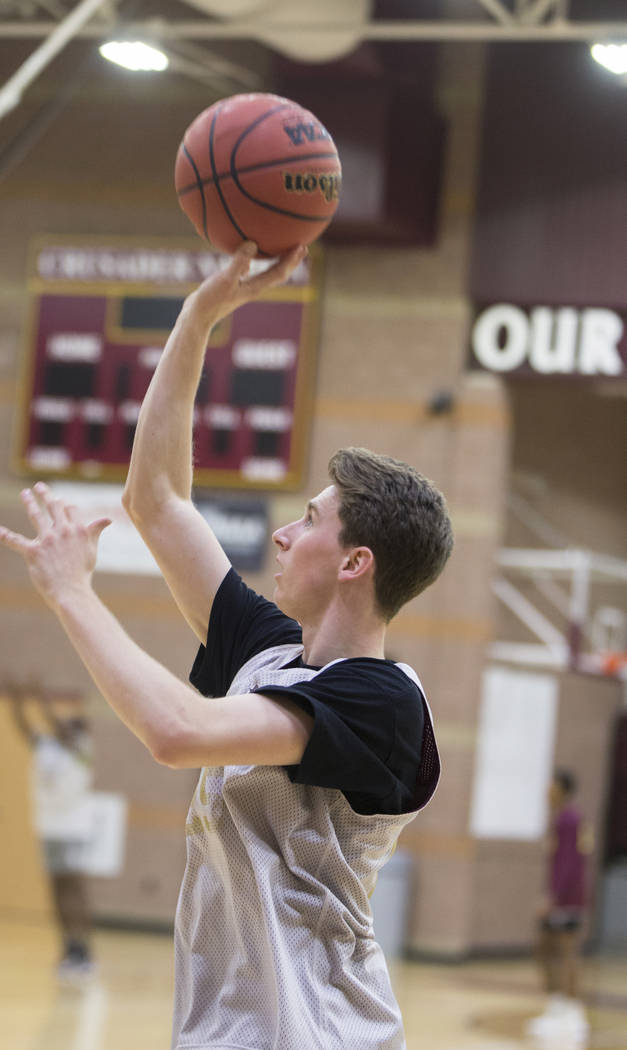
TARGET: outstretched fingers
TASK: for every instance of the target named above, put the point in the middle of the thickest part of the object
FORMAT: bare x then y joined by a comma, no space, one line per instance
240,263
276,274
37,515
52,504
14,541
72,514
95,528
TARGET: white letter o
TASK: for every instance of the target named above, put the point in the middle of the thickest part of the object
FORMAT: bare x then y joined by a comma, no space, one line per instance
485,338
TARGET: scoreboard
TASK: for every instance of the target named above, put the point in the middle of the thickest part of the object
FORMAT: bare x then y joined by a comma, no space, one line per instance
99,317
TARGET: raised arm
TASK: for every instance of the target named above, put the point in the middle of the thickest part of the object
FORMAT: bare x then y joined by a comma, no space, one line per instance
157,495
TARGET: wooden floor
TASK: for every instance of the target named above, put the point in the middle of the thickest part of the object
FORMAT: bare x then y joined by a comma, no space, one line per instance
474,1006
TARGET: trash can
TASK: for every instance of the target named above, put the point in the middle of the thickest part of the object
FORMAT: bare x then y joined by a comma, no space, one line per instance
390,904
613,918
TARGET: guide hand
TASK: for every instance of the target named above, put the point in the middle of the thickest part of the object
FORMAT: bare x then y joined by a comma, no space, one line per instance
62,557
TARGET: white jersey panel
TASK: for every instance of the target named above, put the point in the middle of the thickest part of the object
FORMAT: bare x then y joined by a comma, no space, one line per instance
274,942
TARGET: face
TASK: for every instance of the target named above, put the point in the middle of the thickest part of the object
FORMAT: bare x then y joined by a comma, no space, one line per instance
309,556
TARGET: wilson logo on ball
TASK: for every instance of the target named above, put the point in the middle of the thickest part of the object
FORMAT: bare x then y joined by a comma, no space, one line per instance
327,185
299,133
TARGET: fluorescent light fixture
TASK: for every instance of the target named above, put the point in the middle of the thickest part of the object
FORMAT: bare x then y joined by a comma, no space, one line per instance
133,54
612,56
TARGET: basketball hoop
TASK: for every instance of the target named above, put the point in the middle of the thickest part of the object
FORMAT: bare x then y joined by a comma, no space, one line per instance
614,664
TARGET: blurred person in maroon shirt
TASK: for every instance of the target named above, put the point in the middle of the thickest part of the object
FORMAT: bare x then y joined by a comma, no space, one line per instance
561,915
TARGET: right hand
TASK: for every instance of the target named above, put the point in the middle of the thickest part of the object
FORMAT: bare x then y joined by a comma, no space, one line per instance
222,293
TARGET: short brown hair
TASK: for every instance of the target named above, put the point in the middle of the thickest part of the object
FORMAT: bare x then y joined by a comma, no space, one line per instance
389,507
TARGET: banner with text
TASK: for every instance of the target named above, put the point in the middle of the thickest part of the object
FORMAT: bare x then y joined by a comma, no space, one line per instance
549,341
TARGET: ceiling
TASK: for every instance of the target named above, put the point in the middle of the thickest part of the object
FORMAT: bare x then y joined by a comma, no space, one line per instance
201,37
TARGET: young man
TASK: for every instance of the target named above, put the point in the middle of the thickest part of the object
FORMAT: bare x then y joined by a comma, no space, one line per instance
322,751
60,738
561,914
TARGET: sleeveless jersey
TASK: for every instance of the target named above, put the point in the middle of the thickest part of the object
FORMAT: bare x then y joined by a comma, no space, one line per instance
274,945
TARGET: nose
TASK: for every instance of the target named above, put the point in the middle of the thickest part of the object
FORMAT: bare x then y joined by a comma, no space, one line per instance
281,537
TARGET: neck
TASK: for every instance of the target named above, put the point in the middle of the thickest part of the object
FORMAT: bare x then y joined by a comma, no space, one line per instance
338,635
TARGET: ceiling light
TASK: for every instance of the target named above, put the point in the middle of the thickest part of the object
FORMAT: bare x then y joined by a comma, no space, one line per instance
612,56
133,54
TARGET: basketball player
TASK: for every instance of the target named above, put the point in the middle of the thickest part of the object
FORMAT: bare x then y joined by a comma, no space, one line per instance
562,913
61,743
322,751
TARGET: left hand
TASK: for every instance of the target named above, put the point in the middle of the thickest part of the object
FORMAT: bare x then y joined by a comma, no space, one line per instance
62,557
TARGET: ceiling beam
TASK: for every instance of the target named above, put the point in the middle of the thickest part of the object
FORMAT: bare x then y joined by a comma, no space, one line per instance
555,30
213,66
496,9
537,10
58,35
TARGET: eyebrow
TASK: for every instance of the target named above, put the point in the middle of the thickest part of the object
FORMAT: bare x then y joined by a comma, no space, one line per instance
313,506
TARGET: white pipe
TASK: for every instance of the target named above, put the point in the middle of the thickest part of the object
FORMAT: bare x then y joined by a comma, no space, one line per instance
536,522
537,11
549,32
530,616
580,594
531,558
11,92
610,569
533,655
496,9
558,598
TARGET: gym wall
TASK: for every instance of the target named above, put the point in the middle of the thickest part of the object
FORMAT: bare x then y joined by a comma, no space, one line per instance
393,338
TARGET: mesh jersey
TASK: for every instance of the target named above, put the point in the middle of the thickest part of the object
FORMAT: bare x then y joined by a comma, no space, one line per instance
274,946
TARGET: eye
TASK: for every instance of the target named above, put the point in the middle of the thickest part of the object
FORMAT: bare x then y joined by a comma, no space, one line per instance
308,519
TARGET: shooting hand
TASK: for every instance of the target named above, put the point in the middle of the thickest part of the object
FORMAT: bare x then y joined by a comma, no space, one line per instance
219,295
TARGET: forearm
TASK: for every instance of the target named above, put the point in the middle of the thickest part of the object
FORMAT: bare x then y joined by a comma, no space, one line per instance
161,460
178,726
148,698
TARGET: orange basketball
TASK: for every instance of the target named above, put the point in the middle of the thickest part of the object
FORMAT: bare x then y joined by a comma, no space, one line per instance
258,168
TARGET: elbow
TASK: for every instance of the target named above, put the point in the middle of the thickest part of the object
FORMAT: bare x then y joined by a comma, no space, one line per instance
139,507
165,750
145,502
171,747
130,502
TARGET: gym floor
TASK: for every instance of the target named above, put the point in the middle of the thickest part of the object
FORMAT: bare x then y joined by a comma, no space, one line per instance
480,1005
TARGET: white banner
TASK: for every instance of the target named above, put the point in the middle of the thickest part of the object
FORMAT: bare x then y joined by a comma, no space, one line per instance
514,757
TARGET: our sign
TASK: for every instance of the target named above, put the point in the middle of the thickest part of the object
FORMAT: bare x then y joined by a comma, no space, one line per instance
550,341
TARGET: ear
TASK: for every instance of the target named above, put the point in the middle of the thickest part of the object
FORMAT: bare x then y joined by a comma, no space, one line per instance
358,561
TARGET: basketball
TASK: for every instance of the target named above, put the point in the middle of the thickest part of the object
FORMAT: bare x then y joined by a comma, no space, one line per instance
260,168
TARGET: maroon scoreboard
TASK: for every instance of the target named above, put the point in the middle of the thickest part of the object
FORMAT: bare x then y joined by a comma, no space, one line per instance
99,316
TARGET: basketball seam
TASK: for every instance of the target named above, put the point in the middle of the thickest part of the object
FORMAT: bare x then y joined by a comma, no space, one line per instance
198,186
217,184
257,167
262,204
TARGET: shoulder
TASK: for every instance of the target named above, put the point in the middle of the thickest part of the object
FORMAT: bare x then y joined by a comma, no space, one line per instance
372,677
375,694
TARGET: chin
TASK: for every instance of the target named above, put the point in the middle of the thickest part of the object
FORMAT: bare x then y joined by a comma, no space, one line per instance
283,603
